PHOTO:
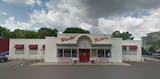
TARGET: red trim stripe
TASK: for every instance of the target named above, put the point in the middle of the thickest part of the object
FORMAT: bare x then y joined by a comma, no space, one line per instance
33,46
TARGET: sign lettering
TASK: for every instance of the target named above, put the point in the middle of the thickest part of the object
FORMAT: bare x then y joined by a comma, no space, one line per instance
68,38
100,39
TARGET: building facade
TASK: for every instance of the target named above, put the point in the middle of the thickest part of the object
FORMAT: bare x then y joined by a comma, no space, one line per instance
151,40
27,49
98,48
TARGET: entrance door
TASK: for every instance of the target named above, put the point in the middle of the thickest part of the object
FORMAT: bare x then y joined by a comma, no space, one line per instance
84,55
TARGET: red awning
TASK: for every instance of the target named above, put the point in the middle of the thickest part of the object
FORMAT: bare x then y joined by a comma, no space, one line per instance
43,46
124,46
33,46
133,47
20,46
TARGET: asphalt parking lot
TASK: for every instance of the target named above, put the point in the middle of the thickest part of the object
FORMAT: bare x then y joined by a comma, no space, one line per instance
150,69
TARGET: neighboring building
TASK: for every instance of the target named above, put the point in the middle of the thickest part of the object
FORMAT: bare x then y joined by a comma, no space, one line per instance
4,47
131,50
27,49
151,40
77,48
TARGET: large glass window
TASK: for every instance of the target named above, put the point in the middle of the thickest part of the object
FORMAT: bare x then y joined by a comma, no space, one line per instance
94,53
60,52
107,53
100,52
74,52
67,52
104,53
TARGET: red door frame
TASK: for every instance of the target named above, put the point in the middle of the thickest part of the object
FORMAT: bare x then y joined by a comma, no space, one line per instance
84,55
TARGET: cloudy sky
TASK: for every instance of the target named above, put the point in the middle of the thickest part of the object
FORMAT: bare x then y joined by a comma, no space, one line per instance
139,17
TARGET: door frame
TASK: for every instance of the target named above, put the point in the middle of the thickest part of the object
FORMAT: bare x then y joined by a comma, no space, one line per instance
87,59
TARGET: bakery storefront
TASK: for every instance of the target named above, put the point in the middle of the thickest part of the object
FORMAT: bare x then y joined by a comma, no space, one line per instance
82,48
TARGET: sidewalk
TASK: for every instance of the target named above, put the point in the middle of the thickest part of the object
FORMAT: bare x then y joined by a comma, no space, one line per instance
79,64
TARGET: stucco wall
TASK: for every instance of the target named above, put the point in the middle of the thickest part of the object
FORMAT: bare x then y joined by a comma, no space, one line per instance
26,55
116,50
51,49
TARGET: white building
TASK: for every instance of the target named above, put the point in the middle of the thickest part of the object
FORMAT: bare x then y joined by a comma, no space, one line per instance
26,49
76,48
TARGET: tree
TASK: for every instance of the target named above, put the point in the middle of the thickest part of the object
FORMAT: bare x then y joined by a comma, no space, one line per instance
44,31
75,30
152,49
17,33
30,34
116,34
4,32
123,35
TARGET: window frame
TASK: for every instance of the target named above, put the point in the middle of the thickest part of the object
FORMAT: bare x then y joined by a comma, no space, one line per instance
33,49
67,52
72,55
18,49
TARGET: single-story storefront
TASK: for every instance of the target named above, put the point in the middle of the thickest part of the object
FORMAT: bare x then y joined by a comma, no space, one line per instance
76,48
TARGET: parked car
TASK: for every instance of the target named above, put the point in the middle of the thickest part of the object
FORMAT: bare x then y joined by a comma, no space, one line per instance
147,53
3,59
157,56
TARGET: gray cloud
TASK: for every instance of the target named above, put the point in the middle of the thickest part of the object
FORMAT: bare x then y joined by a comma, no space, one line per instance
103,8
93,9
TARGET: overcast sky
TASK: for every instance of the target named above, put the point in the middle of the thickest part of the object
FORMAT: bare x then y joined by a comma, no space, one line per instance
139,17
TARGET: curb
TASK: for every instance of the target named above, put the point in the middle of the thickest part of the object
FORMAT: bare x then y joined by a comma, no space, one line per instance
80,64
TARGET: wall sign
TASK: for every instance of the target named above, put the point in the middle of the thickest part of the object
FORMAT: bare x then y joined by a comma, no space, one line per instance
63,39
97,39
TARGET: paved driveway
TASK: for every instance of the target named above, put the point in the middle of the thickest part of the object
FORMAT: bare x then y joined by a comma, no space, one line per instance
15,70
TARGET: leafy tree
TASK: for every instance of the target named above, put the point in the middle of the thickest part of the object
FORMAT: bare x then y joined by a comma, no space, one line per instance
116,34
4,32
126,35
152,49
44,31
24,34
30,34
17,33
75,30
123,35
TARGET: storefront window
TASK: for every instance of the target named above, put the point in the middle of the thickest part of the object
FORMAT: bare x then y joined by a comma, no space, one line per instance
107,53
100,52
93,53
74,52
67,52
60,52
104,53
